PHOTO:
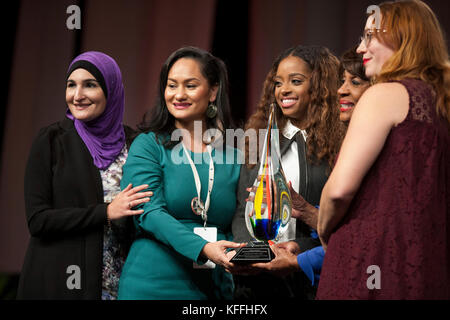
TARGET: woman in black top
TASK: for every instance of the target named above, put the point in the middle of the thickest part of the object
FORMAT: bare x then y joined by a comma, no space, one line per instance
75,211
303,82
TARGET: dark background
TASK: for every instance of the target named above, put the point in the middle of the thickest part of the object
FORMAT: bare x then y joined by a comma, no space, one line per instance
37,48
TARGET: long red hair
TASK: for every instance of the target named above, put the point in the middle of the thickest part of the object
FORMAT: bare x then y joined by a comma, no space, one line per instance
415,34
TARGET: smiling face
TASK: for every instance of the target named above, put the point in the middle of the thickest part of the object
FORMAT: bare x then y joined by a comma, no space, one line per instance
188,92
375,53
349,93
292,82
84,96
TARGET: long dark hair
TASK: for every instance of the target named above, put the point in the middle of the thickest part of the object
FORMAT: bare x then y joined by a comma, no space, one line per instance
159,120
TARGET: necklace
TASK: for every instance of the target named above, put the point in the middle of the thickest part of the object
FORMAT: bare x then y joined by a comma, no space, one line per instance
198,206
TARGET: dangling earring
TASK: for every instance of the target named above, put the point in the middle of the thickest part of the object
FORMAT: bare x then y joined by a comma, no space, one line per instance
211,111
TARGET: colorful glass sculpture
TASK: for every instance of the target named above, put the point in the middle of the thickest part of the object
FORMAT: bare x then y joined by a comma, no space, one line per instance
267,215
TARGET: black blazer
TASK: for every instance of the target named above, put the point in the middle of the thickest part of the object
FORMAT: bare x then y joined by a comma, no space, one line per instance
65,215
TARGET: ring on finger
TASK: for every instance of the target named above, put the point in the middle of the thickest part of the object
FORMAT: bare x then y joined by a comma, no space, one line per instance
129,205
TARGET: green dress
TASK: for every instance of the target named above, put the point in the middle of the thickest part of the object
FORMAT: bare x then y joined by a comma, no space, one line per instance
160,262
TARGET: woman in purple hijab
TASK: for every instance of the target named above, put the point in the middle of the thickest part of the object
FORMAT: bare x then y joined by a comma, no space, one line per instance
76,213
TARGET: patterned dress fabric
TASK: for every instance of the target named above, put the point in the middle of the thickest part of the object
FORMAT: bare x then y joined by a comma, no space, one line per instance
398,223
114,249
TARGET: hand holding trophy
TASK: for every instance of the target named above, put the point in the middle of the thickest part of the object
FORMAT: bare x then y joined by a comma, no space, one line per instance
269,206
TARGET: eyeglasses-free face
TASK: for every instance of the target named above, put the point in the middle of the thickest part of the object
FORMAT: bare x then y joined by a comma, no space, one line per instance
352,88
188,92
84,95
292,82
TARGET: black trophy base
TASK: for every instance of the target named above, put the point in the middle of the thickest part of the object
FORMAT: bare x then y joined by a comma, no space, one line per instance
253,252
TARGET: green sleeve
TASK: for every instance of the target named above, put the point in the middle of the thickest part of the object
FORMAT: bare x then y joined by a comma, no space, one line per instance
144,166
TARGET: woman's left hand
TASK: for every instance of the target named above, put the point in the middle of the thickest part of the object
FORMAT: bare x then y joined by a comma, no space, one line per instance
303,210
290,246
217,252
284,263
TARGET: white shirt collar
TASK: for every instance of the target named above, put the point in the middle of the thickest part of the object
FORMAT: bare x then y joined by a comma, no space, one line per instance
289,131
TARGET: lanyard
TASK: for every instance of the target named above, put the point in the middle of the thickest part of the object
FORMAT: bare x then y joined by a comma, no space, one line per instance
197,205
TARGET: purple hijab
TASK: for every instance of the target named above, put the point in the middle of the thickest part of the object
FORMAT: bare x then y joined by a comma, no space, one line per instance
104,136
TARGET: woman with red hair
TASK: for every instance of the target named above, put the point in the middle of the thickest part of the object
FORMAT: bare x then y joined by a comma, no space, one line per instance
384,210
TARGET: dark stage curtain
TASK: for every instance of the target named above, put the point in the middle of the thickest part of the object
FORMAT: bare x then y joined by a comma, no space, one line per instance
140,34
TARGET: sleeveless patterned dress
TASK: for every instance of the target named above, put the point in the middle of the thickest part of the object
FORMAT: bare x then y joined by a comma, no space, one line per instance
398,225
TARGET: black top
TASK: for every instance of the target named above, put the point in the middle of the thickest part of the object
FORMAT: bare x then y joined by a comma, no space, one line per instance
65,215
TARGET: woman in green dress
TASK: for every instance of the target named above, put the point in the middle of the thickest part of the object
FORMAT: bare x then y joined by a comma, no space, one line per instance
187,165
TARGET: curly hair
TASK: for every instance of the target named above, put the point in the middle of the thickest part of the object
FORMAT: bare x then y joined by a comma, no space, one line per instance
325,130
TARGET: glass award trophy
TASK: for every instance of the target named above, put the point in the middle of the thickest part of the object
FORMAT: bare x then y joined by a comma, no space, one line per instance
269,207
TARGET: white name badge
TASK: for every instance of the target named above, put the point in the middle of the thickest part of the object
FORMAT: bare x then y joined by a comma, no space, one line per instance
210,235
